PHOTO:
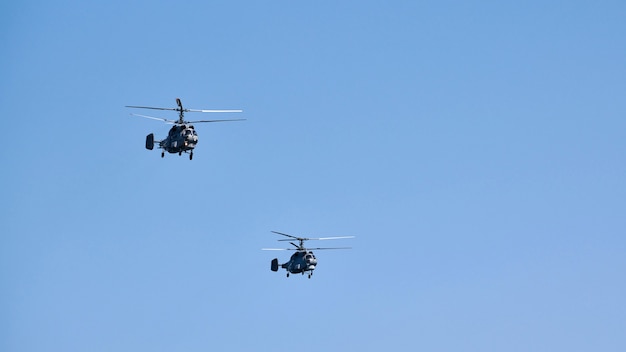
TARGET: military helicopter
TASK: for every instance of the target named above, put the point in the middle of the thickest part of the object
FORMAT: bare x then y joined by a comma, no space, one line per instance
303,260
182,137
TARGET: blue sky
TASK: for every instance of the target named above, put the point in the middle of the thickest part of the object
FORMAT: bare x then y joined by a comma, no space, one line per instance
476,150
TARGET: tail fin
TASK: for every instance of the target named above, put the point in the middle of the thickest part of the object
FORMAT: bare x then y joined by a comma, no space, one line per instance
275,264
150,141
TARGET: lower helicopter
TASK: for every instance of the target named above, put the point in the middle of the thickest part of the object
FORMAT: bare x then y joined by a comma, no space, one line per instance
182,137
303,260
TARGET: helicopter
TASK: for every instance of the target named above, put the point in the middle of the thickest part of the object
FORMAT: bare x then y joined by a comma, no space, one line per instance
303,260
182,137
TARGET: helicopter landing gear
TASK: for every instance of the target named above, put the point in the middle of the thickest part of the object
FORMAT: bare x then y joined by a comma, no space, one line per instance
309,276
162,154
190,155
180,153
287,274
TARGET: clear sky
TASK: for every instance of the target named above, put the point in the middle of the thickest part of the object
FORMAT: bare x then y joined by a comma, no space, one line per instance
476,150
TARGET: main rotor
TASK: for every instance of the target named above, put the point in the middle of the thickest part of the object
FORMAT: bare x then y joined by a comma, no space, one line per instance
181,113
301,240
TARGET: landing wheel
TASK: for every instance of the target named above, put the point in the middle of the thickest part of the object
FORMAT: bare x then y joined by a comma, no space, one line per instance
309,276
190,156
287,274
162,154
180,153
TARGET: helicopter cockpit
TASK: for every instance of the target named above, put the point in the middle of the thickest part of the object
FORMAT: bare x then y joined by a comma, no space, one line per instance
309,258
190,131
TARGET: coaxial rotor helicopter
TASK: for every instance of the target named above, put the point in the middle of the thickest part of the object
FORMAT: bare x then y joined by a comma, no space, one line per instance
303,260
182,137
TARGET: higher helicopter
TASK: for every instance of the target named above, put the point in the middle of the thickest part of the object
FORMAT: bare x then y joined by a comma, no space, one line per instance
303,260
182,137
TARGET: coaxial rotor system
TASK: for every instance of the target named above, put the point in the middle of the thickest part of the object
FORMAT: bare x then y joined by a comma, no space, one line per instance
181,113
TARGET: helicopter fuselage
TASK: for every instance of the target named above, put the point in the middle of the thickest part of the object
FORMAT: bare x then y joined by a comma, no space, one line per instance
181,138
300,262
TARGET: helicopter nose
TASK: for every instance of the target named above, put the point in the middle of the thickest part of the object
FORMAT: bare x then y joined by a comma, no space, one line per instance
191,140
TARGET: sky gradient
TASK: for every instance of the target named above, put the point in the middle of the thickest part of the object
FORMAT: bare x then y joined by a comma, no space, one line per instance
475,150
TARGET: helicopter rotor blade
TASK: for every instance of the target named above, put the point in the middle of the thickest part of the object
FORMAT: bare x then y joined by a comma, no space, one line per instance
284,234
212,110
185,110
318,238
151,107
215,120
303,249
155,118
331,238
